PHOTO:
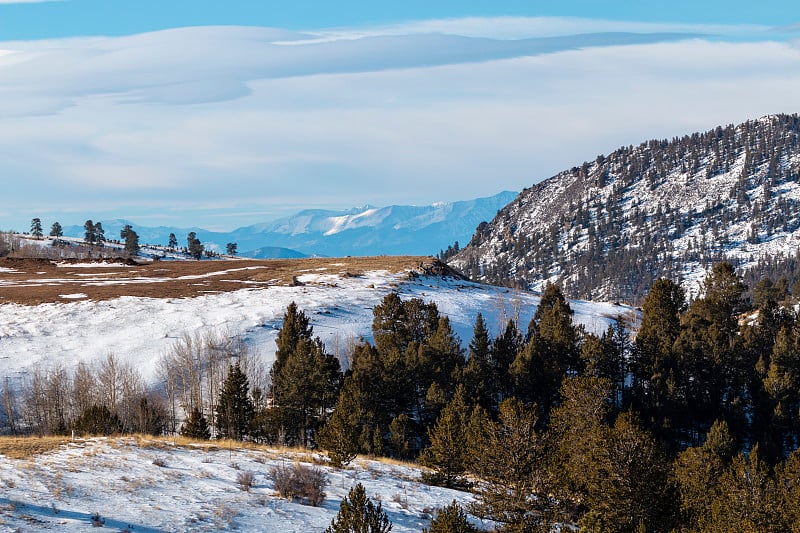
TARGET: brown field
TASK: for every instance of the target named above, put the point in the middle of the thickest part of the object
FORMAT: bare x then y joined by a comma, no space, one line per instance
24,447
35,281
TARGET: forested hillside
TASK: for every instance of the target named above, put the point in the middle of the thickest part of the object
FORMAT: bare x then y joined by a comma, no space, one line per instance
607,229
694,426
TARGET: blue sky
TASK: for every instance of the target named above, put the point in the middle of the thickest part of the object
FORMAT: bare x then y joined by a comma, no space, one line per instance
63,18
222,114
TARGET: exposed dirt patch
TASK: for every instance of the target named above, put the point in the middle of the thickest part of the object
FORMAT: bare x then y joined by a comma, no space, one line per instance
35,281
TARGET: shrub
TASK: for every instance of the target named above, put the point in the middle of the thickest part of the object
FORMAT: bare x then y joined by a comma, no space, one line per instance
299,481
245,479
451,519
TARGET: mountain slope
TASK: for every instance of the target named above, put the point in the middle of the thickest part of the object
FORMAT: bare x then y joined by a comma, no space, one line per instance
364,231
392,230
609,228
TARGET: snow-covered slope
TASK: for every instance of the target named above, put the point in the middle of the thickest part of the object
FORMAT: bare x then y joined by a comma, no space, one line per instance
140,330
193,490
608,228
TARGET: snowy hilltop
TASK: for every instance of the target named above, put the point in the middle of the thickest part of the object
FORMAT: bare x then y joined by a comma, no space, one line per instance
608,228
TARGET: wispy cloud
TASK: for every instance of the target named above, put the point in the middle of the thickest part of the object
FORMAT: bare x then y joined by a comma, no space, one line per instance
440,110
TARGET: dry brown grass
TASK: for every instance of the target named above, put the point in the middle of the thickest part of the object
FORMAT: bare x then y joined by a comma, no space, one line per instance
25,447
34,281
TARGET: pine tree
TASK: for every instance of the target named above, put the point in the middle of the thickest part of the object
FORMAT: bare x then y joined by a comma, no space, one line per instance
447,451
131,239
339,436
358,514
196,426
477,378
235,408
89,235
508,455
305,387
172,242
36,228
99,234
698,471
749,499
56,230
230,248
451,519
194,246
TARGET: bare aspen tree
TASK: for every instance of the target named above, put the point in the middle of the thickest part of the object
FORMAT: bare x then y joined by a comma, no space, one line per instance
84,389
9,401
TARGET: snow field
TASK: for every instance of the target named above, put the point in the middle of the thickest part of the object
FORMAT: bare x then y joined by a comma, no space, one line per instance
194,489
140,330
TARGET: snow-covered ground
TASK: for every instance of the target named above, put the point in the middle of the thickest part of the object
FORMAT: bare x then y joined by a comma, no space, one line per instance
193,490
140,330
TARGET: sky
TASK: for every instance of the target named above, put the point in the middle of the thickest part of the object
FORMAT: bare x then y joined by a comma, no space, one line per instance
223,114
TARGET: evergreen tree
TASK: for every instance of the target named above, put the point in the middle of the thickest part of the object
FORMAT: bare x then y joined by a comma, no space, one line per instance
172,242
358,514
230,248
578,434
451,519
658,373
305,387
551,352
634,493
36,228
447,451
89,235
508,455
194,246
478,379
98,420
99,234
749,499
56,230
235,408
196,426
339,436
131,240
698,471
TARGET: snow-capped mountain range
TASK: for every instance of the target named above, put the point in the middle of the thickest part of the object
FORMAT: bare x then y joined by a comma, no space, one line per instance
608,228
368,230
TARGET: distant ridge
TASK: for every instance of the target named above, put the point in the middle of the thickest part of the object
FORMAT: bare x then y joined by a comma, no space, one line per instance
362,231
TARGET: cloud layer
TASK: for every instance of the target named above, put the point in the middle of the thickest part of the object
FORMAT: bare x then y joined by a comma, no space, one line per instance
179,123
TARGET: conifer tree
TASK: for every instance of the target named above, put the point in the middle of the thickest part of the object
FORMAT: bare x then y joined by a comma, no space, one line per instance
194,246
508,455
478,378
339,436
749,499
447,451
89,235
235,408
36,228
196,426
131,240
451,519
698,471
172,242
99,234
358,514
56,230
305,387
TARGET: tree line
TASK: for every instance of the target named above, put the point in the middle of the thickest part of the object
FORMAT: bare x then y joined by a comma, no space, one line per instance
694,425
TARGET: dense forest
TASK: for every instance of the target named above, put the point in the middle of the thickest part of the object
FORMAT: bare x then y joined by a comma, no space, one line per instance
607,229
692,426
